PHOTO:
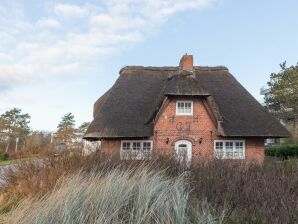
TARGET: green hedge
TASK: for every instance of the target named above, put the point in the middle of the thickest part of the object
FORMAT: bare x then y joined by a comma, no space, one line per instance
283,151
3,156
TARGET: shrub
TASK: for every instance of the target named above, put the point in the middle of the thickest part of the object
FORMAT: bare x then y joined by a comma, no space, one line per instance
36,178
246,193
283,151
249,193
3,156
131,196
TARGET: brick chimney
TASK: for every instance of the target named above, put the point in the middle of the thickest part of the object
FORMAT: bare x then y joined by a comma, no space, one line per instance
186,63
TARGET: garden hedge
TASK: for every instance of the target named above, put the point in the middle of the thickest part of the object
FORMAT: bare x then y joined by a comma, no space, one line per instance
3,156
283,151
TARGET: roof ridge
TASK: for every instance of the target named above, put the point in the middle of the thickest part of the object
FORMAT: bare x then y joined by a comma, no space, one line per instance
211,68
170,68
148,68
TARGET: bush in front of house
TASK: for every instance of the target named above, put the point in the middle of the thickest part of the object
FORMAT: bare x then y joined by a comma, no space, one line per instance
248,193
283,151
3,156
231,191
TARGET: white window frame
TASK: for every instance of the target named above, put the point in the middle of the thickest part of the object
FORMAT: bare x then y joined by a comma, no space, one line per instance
184,101
130,155
224,149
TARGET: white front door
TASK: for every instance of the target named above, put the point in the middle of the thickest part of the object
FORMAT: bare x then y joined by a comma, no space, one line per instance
184,151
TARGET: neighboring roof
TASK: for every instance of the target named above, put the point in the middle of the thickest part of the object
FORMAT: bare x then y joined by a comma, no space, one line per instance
129,107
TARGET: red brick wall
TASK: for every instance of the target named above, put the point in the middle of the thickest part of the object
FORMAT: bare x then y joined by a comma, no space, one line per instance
198,129
255,150
111,148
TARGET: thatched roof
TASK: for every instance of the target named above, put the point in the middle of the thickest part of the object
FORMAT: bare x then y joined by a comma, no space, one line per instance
128,109
184,83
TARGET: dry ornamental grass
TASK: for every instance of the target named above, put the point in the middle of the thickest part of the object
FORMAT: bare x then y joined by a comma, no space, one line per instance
159,191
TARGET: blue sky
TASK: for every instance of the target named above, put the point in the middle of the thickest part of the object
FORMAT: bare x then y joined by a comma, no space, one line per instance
60,56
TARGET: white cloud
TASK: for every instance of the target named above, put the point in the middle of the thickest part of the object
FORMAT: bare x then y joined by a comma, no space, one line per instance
7,98
13,74
108,21
67,37
70,10
49,23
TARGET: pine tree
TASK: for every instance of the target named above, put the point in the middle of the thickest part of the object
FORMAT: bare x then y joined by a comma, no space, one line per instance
283,98
14,124
66,128
83,127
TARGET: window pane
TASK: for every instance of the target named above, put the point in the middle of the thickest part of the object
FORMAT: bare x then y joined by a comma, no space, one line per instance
188,107
146,152
184,107
229,149
239,150
136,146
219,145
126,145
147,146
126,153
229,145
181,107
136,150
239,144
188,110
219,153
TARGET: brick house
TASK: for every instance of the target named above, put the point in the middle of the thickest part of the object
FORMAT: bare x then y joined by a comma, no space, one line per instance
193,112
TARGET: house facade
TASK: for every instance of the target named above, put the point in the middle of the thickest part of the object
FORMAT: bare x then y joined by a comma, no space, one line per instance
191,112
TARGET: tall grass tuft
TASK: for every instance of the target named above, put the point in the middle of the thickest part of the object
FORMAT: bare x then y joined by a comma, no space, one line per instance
119,196
233,191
